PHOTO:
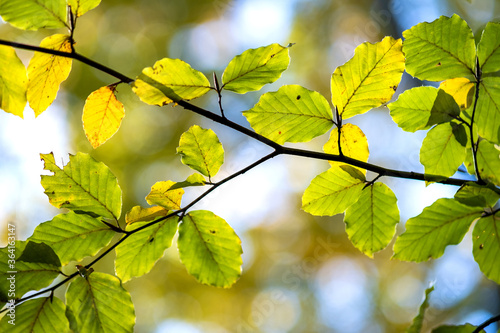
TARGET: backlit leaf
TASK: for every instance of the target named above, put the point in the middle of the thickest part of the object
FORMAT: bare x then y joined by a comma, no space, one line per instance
39,253
353,143
80,7
488,161
193,180
422,107
99,303
27,275
170,80
487,116
210,249
46,72
486,246
140,214
440,50
467,328
40,315
418,321
369,79
163,195
332,191
476,195
254,68
82,185
201,150
13,82
443,223
371,221
291,114
461,89
102,115
34,14
443,149
488,48
138,254
73,236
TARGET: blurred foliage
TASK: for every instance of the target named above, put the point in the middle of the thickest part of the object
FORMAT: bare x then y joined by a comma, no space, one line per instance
300,273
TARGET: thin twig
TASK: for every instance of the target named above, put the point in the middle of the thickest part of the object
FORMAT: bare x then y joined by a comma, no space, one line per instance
475,144
486,324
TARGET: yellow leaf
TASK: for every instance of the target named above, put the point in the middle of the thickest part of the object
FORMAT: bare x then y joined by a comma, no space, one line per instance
461,90
140,214
46,72
13,82
353,142
163,196
102,115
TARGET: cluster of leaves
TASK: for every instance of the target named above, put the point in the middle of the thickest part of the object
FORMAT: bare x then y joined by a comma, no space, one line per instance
463,116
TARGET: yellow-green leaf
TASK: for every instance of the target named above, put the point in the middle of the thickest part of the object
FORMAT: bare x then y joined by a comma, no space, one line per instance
193,180
34,14
418,321
488,161
353,143
487,116
254,68
13,82
46,72
82,185
138,254
486,246
443,223
443,149
291,114
162,195
201,150
461,90
99,303
40,315
140,214
80,7
472,194
170,80
210,249
488,48
369,79
371,221
440,50
333,191
102,115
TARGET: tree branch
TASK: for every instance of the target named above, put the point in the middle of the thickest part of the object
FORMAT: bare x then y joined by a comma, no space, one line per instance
486,324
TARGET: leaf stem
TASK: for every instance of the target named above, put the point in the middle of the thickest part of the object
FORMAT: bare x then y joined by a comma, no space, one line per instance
475,144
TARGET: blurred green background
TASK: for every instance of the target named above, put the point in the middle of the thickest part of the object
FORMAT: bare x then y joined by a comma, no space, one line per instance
300,273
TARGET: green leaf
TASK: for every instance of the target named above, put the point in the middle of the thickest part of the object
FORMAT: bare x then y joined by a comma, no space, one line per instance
194,180
80,7
420,108
291,114
99,303
13,82
476,195
369,79
210,249
82,185
28,275
333,191
138,254
467,328
34,14
168,81
163,195
418,321
254,68
141,214
440,50
73,236
488,48
46,72
488,161
443,223
486,246
201,150
40,315
39,253
443,149
371,221
487,117
461,89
